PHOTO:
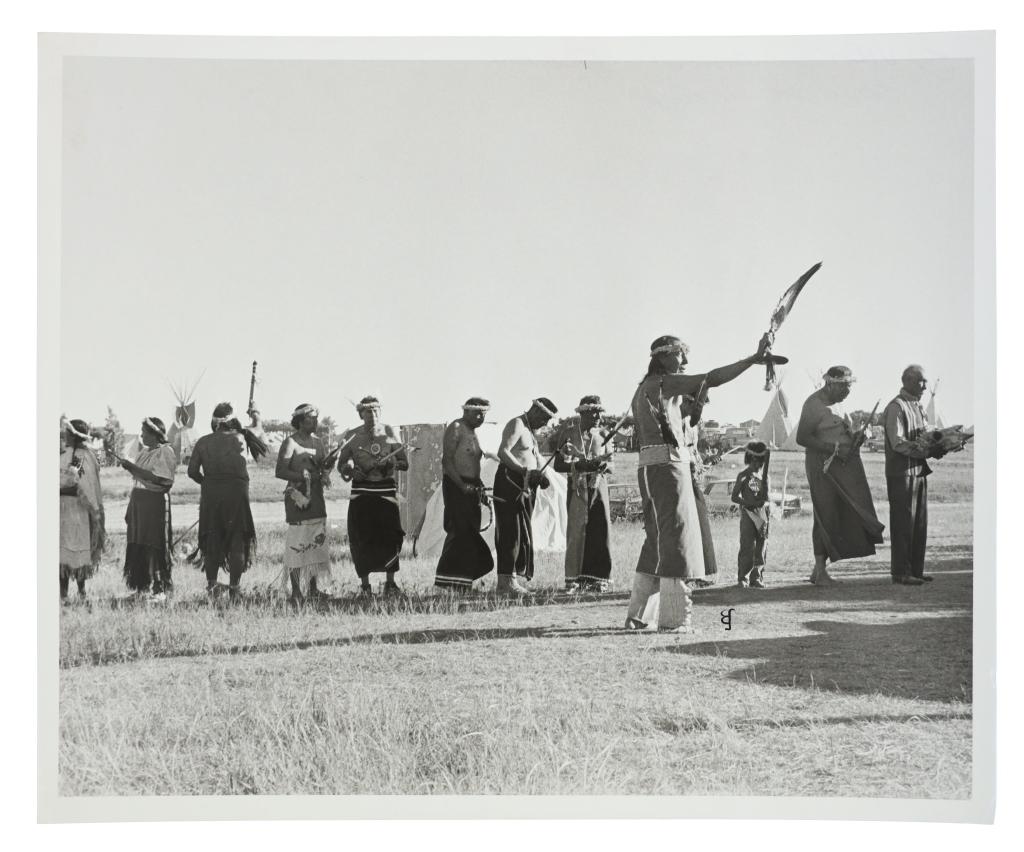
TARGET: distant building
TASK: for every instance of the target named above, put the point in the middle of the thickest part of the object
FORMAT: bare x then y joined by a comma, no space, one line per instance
751,425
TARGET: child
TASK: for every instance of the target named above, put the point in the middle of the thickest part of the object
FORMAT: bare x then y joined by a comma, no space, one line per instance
751,493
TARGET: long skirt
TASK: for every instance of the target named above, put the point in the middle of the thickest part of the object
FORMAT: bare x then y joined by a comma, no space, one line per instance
147,561
307,555
673,546
707,542
225,525
587,554
465,556
81,539
513,529
375,531
845,523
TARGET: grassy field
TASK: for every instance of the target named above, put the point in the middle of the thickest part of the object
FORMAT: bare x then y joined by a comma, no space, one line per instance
858,690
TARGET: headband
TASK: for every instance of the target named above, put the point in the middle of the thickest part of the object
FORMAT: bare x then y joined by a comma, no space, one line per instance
303,410
227,418
839,380
590,406
670,347
757,454
475,407
543,408
149,424
76,433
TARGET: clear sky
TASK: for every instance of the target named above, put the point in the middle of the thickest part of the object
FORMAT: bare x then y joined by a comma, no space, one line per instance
432,231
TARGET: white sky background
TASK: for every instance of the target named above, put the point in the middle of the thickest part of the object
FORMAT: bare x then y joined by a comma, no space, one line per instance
431,231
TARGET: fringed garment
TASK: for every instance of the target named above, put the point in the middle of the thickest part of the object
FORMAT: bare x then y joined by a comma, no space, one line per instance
147,558
226,527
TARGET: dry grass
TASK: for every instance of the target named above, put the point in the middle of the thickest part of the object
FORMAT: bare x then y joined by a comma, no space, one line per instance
863,690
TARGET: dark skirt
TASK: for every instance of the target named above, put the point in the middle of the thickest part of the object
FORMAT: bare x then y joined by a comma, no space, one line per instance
513,529
317,508
225,524
587,554
375,531
845,524
147,553
465,556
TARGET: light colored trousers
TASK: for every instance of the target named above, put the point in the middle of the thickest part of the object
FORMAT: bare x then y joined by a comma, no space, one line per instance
661,602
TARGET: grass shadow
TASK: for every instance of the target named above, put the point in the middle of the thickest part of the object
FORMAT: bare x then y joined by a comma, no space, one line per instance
877,589
920,658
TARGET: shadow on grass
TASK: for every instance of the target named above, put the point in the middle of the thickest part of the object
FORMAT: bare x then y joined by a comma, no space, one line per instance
408,637
951,589
920,658
693,724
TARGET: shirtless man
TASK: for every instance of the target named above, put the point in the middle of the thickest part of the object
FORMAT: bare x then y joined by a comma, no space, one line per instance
515,491
465,556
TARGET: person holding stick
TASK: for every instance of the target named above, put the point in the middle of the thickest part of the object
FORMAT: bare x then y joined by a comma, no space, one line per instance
465,556
369,458
519,476
750,493
845,523
673,548
147,557
586,462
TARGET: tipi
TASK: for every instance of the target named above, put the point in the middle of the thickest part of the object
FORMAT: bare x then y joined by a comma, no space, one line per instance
930,414
776,430
181,435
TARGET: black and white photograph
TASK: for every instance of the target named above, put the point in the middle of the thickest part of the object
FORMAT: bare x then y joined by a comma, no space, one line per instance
553,419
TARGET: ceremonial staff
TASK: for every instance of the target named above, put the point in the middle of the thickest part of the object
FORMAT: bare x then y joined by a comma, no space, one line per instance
252,391
778,317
